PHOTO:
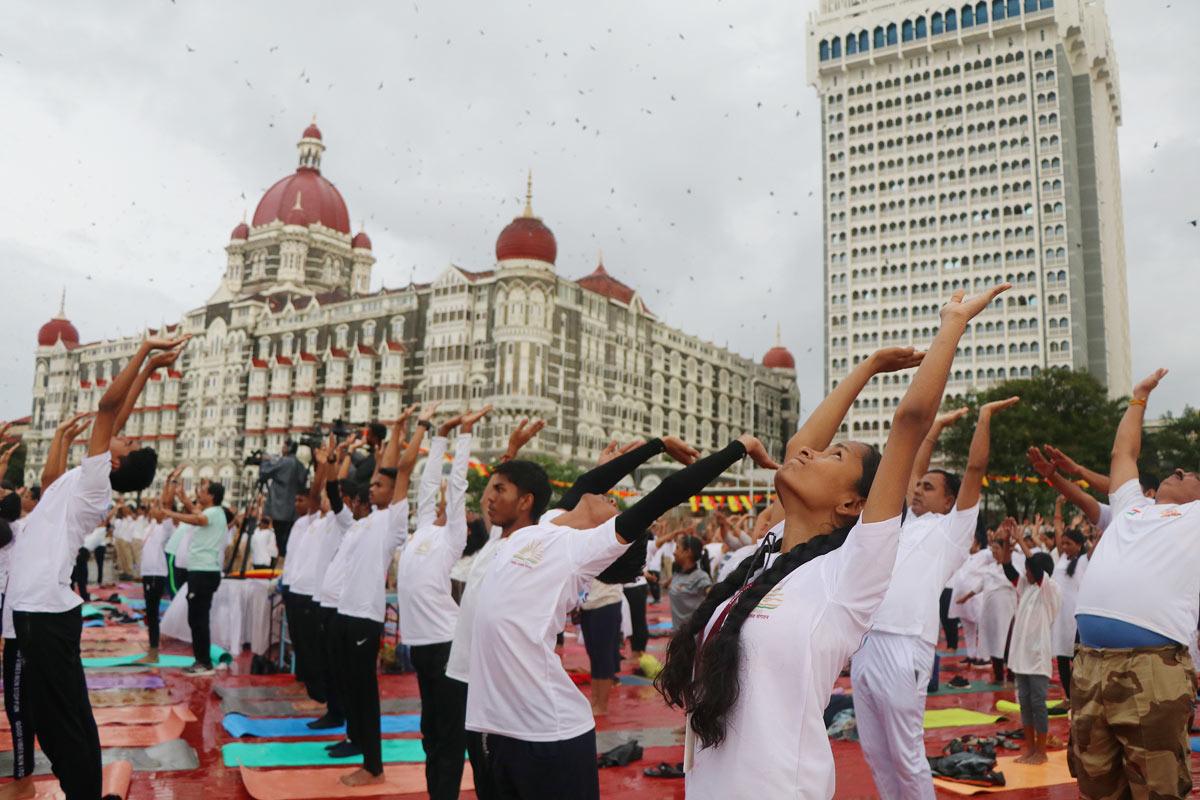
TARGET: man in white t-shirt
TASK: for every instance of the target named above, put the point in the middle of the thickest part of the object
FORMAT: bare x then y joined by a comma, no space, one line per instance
46,613
1133,682
891,672
428,613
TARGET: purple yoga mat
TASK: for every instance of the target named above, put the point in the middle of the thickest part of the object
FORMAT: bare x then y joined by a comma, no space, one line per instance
132,681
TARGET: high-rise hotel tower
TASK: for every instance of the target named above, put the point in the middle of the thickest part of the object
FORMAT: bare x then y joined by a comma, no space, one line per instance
963,145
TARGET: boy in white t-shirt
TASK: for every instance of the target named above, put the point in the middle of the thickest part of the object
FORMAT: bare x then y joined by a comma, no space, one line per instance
1134,684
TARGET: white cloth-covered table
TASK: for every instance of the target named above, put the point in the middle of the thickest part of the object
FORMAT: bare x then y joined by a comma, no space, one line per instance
241,614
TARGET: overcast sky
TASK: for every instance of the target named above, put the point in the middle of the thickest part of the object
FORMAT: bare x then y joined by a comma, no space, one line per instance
680,137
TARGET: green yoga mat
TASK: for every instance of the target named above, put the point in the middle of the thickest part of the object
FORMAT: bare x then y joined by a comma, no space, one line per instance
956,717
218,656
1008,706
972,688
312,754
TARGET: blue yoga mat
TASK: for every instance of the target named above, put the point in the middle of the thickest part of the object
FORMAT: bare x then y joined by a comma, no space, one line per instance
661,626
1196,744
239,725
312,754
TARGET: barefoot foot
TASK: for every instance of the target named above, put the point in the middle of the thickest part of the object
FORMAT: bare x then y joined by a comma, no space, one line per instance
360,777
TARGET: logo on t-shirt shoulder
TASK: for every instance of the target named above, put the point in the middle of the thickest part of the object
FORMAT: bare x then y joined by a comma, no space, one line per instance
1173,511
423,547
529,556
770,601
1136,511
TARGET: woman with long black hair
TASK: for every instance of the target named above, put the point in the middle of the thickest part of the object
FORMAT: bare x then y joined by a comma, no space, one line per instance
756,662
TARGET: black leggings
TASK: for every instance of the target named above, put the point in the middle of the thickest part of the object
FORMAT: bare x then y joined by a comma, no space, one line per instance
202,585
949,626
636,595
98,554
153,587
79,575
1064,674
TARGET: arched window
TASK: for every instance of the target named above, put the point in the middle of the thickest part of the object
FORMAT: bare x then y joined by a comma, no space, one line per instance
835,47
879,40
891,33
998,7
981,12
824,48
851,44
968,16
1031,6
1014,8
936,23
951,21
921,30
864,42
1047,4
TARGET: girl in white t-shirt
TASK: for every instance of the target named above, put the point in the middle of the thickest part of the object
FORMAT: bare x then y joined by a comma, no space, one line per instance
755,664
1069,570
1031,650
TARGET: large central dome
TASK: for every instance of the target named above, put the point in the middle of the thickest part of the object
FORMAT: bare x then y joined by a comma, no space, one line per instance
305,197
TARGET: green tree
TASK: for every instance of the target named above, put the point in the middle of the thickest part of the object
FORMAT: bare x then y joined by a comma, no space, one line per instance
558,471
1070,410
15,474
1174,444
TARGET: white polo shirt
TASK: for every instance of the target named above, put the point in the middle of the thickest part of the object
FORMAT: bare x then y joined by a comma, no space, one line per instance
1146,568
42,561
932,548
295,548
428,613
263,549
335,574
154,556
518,685
369,554
321,542
793,647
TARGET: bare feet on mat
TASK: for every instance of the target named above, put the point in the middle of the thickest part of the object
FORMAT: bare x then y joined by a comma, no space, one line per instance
360,777
18,790
151,657
1033,758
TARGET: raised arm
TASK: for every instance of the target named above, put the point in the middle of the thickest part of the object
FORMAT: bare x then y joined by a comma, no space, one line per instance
823,423
925,451
157,361
977,457
456,490
404,467
60,447
391,453
1070,466
190,515
918,408
109,414
1089,505
1127,445
431,477
603,477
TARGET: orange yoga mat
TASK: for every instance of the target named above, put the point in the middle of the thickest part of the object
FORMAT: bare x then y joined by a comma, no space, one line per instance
131,715
117,776
115,633
1018,776
115,698
323,782
128,735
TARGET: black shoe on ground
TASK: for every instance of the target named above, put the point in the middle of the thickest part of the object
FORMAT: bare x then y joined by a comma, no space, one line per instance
345,750
329,720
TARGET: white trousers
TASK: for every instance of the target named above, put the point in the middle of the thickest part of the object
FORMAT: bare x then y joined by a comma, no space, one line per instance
995,619
969,638
890,674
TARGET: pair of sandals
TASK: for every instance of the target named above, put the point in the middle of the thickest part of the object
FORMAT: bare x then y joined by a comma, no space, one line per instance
664,770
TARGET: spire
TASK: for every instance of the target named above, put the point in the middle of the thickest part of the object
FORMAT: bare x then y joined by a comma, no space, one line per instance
62,304
311,147
528,195
778,337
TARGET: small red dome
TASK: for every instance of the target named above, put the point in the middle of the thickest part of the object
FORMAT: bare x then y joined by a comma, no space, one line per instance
241,231
312,132
320,201
361,240
56,329
778,357
527,237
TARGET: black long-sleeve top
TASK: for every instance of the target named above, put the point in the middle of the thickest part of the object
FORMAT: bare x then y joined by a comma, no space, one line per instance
600,479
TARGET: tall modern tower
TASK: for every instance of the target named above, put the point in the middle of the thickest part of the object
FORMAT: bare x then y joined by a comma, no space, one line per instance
963,145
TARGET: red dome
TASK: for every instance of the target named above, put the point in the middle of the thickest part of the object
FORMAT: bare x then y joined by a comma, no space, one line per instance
361,240
56,329
241,231
312,132
526,237
779,358
320,202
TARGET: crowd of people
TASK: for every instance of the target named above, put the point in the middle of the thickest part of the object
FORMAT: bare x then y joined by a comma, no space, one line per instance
859,560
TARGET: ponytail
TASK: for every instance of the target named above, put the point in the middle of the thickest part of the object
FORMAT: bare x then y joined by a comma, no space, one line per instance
1081,540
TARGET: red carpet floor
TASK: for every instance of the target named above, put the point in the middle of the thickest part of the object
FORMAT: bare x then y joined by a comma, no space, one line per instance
633,706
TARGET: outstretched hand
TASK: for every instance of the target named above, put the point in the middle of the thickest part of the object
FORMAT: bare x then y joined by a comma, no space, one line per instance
1062,461
1039,463
950,417
449,425
521,435
894,359
165,358
680,450
757,452
964,310
164,343
426,413
612,450
998,405
1148,384
469,419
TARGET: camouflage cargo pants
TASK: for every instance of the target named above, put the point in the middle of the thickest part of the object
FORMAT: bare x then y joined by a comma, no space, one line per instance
1131,709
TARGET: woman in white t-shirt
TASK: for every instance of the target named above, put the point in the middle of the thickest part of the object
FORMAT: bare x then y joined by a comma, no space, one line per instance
755,665
1069,570
1032,646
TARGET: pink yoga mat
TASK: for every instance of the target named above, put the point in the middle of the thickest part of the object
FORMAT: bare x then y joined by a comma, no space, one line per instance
131,715
117,776
325,782
125,735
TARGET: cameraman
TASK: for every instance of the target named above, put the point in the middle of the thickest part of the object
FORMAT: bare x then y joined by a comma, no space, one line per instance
285,475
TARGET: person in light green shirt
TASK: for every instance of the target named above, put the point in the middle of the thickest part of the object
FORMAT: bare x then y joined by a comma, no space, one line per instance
204,565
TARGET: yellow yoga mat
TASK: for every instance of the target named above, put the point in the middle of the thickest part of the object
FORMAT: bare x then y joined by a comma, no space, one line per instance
957,717
1009,707
1018,776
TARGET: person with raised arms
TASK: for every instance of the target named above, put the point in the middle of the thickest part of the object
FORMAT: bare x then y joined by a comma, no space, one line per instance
1133,686
891,672
154,565
755,666
46,613
361,607
428,612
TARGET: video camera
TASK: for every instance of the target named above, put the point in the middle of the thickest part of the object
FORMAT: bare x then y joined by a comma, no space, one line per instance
315,438
255,459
